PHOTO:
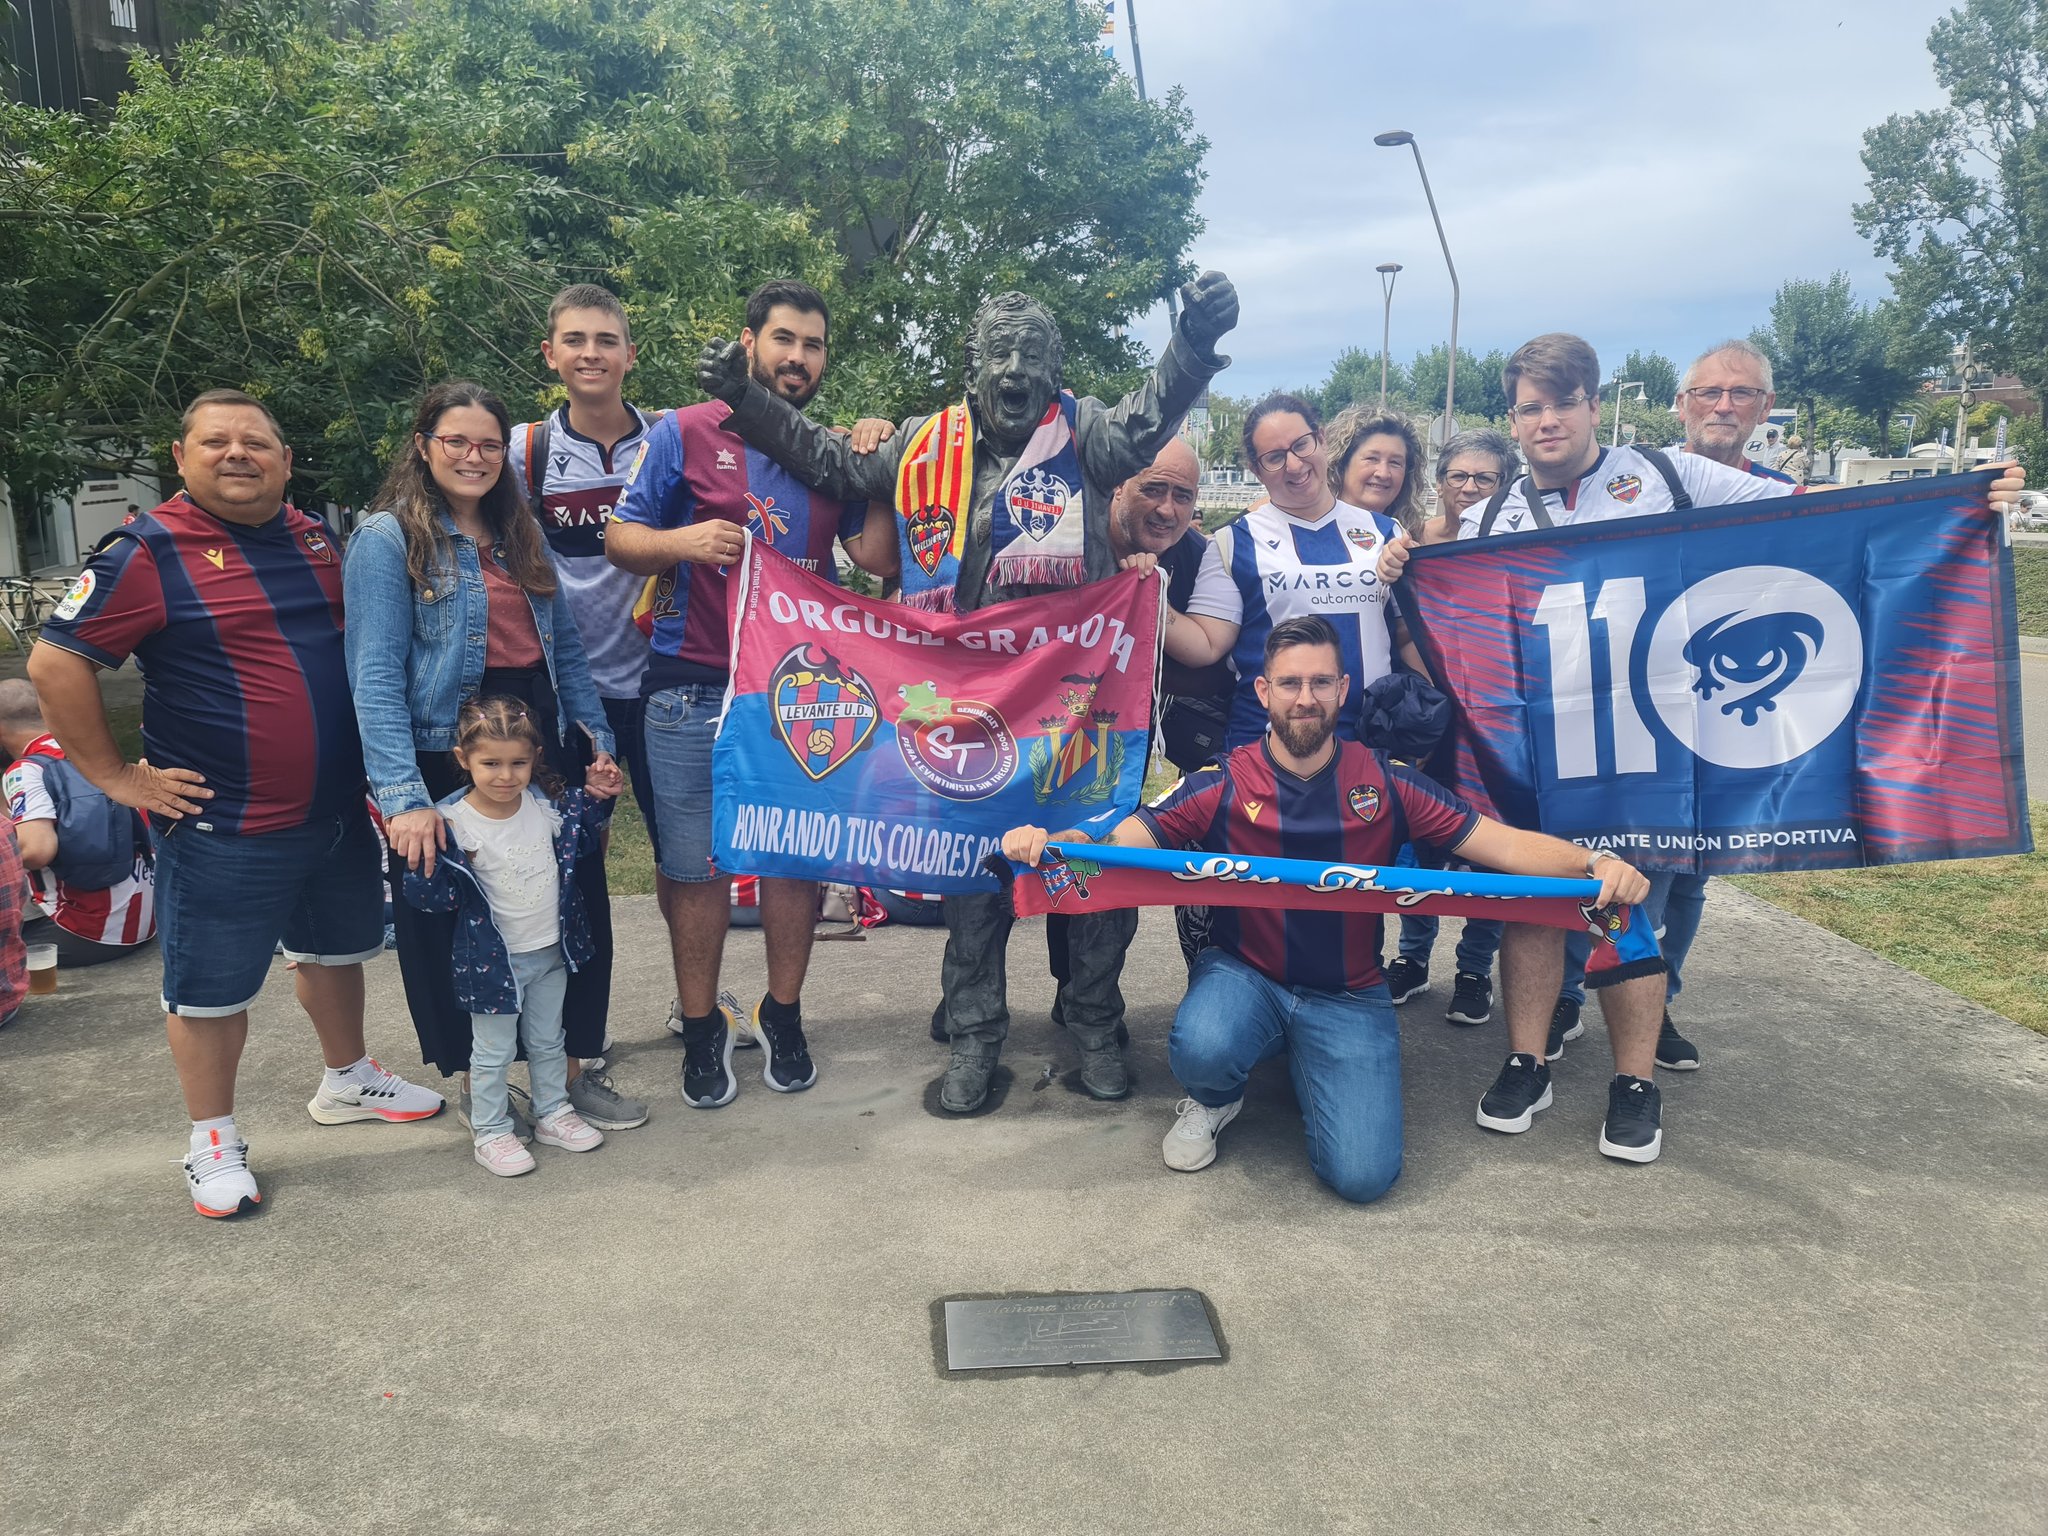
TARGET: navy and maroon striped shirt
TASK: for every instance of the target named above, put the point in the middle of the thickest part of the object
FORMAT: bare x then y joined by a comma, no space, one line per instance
1359,809
238,632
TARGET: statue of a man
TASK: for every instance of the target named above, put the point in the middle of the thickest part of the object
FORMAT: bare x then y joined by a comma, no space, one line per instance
1005,494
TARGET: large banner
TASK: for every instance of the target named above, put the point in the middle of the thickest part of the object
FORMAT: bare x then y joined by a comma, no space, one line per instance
1100,877
1803,683
877,744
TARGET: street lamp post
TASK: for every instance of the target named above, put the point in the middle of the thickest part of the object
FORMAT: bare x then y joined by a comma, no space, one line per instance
1387,271
1138,70
1620,388
1389,140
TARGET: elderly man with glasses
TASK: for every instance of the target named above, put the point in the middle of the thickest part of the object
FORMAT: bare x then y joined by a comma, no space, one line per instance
1726,396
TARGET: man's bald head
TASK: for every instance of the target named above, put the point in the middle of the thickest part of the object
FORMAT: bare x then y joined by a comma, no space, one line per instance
1152,510
21,715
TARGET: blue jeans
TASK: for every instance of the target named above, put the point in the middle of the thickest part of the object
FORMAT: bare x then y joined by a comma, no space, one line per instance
495,1038
1477,945
1673,906
680,725
1344,1049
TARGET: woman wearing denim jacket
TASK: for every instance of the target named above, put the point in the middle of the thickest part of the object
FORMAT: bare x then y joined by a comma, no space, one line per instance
451,594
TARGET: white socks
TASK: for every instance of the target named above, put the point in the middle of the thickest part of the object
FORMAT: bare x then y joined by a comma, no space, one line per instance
202,1132
355,1072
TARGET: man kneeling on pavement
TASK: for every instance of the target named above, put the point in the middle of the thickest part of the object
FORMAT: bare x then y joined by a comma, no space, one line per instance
1309,983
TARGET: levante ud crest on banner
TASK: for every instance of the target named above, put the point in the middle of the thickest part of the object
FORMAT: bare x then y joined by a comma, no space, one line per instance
824,712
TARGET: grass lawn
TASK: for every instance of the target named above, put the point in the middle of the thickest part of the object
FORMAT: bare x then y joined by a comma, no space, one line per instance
1977,926
2030,582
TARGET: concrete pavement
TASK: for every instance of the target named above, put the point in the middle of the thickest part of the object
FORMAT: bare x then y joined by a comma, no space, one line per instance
1819,1311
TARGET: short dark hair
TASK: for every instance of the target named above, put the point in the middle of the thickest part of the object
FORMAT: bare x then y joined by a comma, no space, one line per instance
588,296
230,397
1556,361
1276,404
1304,629
801,297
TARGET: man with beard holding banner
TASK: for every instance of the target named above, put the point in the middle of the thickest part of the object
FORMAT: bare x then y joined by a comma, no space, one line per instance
1308,982
1003,495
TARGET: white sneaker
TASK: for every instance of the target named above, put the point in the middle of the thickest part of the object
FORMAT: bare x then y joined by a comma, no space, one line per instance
1191,1144
568,1130
503,1155
218,1179
381,1096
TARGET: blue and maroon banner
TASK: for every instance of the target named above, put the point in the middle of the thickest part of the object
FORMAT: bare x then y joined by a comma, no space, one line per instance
1100,877
1808,682
876,744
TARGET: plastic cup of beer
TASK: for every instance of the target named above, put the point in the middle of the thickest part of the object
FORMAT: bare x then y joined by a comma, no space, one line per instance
42,968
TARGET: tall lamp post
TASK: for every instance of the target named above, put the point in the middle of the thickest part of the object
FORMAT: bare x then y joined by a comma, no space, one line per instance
1388,140
1138,70
1387,271
1642,393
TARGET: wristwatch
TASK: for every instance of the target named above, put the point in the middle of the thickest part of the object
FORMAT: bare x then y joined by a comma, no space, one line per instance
1593,859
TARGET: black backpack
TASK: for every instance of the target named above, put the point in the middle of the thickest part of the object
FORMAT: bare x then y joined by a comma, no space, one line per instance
1539,515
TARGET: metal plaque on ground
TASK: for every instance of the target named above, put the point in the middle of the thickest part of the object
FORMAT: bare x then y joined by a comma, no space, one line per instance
1097,1328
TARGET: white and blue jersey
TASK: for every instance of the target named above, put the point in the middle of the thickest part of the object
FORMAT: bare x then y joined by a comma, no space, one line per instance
1269,566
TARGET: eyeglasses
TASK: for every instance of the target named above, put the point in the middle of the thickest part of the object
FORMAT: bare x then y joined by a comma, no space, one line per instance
1275,461
460,448
1480,479
1740,394
1291,687
1531,412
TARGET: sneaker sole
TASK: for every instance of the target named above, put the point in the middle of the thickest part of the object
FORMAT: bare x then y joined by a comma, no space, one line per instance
503,1173
567,1146
1519,1123
349,1114
1401,997
1692,1065
249,1203
1469,1018
609,1122
732,1084
759,1036
1631,1154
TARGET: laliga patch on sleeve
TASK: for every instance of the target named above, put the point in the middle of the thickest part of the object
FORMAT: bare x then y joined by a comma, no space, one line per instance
639,458
75,599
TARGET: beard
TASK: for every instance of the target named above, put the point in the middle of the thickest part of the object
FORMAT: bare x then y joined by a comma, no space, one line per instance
781,383
1304,735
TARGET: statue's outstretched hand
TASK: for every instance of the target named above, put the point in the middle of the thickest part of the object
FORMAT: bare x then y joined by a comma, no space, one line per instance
722,370
1208,311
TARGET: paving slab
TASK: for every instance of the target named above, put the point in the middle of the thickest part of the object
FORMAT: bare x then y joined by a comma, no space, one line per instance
1819,1311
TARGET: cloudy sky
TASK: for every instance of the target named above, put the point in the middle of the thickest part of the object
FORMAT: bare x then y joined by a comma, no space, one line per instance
1643,174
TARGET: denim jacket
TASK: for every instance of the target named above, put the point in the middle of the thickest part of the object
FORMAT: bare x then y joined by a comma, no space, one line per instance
413,657
484,982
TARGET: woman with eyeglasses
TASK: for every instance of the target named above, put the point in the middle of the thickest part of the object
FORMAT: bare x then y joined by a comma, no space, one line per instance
1302,551
451,595
1469,468
1377,462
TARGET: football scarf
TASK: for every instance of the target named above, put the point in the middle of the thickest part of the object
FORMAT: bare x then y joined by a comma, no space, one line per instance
1036,526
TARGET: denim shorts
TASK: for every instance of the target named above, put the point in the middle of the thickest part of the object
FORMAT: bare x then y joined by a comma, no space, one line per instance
225,899
680,725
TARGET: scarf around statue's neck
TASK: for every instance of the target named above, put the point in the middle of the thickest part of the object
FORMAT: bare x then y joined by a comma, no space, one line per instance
1036,525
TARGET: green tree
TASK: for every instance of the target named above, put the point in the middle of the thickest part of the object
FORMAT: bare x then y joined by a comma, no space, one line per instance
1355,380
1895,350
1959,196
1657,373
330,217
1815,341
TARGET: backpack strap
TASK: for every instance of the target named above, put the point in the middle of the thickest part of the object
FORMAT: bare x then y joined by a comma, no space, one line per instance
1539,515
1681,498
537,435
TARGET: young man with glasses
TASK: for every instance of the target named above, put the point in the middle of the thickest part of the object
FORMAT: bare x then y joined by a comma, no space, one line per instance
1308,984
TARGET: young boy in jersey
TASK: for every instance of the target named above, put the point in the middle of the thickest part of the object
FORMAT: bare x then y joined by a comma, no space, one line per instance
692,494
1309,983
571,466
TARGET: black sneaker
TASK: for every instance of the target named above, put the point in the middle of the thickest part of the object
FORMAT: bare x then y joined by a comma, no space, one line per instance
1406,979
786,1066
1471,998
1565,1024
707,1061
1522,1088
1675,1053
1633,1131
